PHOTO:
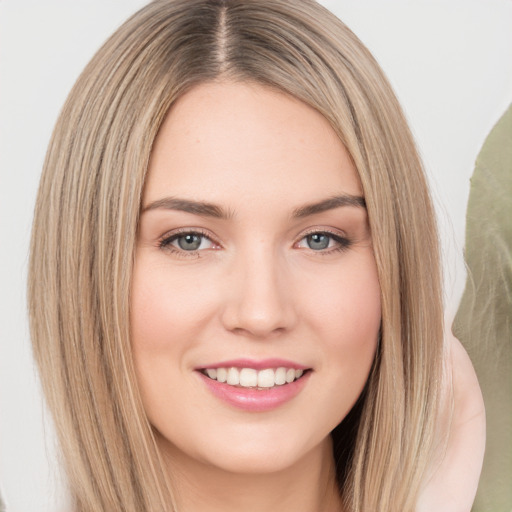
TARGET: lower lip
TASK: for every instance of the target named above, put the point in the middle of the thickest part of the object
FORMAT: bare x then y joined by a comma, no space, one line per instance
256,400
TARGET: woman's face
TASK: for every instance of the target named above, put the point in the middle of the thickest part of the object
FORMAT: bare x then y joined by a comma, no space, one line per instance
254,265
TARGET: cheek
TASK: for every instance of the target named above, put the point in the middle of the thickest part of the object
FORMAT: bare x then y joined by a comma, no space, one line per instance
348,306
165,308
159,324
162,330
347,314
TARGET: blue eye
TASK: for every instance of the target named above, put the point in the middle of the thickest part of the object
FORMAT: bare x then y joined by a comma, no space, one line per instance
187,242
190,242
322,241
318,241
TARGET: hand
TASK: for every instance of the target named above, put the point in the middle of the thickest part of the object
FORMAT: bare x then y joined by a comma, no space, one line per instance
453,480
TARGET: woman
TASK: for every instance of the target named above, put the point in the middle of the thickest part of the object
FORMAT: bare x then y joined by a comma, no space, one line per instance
234,254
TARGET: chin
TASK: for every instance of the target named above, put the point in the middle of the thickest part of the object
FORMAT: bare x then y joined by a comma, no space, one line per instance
257,459
262,453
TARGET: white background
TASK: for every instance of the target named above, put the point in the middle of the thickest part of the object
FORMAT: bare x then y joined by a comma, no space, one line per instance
450,62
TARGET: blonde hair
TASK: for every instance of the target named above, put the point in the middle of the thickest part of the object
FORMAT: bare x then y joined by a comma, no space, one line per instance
86,221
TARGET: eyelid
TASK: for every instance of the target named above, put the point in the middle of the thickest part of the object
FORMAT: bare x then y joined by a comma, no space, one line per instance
164,242
343,241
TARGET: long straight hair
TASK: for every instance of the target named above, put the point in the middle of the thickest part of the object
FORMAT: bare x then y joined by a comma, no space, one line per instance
86,219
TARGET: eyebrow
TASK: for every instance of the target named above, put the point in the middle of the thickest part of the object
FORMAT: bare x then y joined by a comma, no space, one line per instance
206,209
201,208
329,204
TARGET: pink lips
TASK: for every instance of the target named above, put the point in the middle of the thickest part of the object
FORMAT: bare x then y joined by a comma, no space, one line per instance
251,399
257,365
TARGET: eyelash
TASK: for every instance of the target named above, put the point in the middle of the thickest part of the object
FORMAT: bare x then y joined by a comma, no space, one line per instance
343,243
165,242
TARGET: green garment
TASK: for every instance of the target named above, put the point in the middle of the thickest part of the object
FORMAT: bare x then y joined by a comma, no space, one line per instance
484,320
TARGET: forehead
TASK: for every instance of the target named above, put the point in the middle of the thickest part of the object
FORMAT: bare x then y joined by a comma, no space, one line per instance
232,142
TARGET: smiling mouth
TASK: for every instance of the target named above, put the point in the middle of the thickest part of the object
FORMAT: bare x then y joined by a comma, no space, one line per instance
254,379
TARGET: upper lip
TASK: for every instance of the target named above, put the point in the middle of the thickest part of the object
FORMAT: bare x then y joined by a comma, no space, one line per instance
260,364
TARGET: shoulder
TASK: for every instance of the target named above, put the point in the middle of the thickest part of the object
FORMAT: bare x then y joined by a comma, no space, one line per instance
453,480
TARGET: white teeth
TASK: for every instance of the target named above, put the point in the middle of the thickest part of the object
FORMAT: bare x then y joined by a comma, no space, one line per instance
280,376
233,377
248,377
251,378
266,378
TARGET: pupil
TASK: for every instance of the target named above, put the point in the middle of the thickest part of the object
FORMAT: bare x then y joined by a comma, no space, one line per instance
189,242
318,241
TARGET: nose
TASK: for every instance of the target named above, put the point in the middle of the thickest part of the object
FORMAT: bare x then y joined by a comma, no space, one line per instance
259,296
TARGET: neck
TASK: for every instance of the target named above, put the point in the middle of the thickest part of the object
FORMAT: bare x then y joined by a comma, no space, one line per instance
307,486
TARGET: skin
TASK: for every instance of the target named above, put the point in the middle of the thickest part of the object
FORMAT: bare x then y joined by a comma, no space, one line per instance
255,288
453,479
